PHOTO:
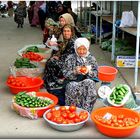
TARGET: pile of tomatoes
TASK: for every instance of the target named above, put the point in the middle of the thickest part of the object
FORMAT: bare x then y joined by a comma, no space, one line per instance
33,56
15,82
118,120
64,115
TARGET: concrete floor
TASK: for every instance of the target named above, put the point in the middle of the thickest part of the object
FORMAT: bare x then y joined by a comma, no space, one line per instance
15,126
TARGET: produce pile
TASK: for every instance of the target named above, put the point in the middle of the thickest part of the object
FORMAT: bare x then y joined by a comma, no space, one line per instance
117,120
122,47
24,63
64,115
32,56
26,100
15,82
118,94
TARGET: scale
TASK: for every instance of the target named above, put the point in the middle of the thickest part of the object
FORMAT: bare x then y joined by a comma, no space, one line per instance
104,91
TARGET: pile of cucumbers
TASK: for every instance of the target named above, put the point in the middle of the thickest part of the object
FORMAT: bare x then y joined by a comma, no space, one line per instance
26,100
24,63
118,94
32,49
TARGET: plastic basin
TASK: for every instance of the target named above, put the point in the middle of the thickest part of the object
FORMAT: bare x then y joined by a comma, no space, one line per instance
112,131
107,73
34,113
32,84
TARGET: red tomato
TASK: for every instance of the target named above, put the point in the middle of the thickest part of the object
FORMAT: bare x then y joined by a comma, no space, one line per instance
76,120
64,115
83,115
59,120
9,81
62,108
11,77
83,69
49,115
13,83
56,113
72,108
52,109
71,115
64,122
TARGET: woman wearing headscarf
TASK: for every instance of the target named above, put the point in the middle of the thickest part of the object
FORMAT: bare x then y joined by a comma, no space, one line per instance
79,70
53,73
68,19
20,13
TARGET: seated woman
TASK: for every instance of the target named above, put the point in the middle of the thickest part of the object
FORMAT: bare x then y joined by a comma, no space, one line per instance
68,19
79,69
53,74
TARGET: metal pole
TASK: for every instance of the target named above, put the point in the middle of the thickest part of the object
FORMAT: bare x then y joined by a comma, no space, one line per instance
114,31
77,7
101,24
89,28
85,13
137,45
81,12
96,21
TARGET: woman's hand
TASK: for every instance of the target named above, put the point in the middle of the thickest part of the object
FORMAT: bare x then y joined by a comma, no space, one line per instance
55,57
83,70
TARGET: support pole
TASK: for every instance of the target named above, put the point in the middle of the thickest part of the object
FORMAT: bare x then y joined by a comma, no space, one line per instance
89,26
114,31
96,21
101,24
85,13
137,45
81,11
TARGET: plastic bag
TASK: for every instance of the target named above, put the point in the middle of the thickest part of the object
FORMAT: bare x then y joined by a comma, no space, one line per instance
128,19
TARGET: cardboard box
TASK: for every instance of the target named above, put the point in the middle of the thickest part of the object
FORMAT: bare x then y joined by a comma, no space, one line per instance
126,61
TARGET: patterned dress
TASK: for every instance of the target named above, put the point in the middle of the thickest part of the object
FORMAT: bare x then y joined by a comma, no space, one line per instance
20,14
80,89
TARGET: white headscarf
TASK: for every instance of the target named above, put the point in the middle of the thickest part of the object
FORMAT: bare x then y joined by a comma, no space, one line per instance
82,42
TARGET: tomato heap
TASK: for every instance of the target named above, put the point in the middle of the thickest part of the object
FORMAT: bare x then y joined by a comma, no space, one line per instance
83,69
15,82
64,115
118,120
32,56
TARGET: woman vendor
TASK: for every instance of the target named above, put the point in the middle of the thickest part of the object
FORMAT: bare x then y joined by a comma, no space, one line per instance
79,70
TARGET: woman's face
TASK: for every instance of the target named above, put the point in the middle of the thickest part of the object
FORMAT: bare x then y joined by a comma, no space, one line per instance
62,21
82,51
67,33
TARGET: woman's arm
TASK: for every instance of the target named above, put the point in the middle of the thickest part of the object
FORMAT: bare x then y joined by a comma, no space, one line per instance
93,72
69,68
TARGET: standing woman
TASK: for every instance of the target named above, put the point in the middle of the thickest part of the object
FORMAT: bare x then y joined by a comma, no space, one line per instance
79,70
20,13
35,19
10,8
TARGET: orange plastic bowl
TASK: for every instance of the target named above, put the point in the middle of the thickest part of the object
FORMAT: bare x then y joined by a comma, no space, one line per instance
34,113
32,84
107,73
115,131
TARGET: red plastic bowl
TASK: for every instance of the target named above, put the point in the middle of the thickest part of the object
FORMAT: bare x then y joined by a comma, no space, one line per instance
32,84
34,113
107,73
112,131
